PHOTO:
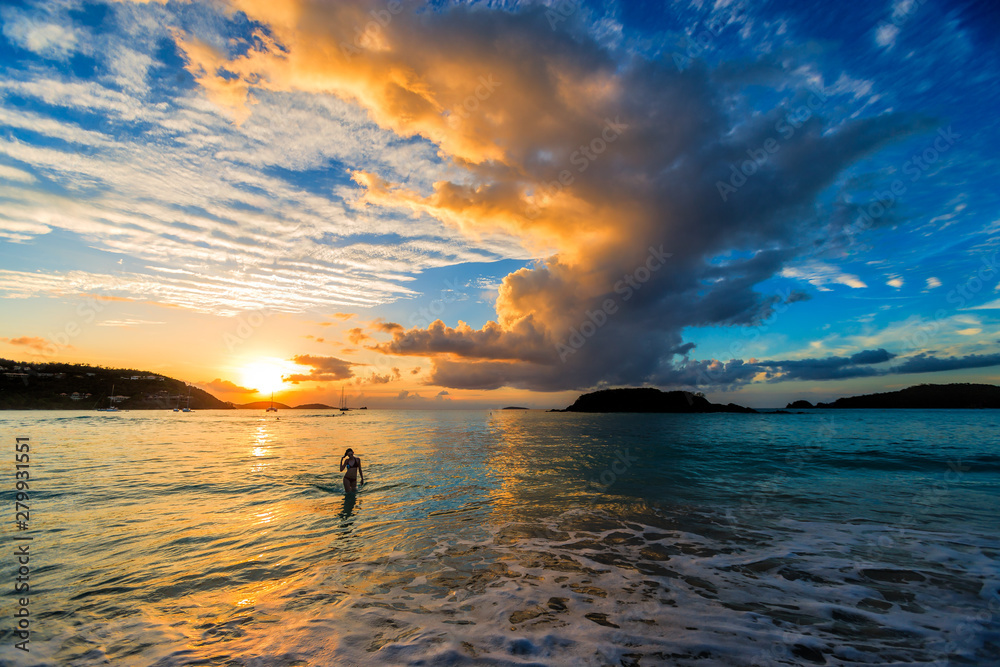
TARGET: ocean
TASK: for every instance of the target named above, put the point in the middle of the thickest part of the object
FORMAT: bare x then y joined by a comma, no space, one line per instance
503,538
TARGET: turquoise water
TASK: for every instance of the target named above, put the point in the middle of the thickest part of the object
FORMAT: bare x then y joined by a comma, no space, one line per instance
508,538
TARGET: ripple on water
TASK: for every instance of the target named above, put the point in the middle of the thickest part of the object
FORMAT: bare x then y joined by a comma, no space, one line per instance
486,540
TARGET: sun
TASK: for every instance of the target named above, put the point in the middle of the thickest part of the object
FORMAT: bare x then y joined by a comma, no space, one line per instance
264,376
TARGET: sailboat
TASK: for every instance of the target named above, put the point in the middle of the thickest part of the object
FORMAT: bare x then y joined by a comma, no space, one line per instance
272,408
187,408
111,403
343,401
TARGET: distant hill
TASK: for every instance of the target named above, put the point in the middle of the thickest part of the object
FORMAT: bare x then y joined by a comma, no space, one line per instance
648,399
59,386
314,406
261,405
514,407
926,397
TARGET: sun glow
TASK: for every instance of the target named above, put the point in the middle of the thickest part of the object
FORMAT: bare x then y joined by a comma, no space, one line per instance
265,376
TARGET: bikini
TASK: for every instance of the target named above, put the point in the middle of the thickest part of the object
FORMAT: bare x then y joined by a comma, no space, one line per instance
352,465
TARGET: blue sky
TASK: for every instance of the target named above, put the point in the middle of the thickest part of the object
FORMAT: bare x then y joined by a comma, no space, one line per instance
185,165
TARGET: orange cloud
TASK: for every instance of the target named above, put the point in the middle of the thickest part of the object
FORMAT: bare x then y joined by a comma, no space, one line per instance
324,369
375,378
594,163
522,342
33,343
386,327
221,84
226,387
104,297
357,335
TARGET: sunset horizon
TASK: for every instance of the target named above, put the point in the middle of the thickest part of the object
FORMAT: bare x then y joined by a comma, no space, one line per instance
524,211
563,333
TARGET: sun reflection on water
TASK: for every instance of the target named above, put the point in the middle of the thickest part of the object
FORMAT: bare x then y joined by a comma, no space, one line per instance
260,448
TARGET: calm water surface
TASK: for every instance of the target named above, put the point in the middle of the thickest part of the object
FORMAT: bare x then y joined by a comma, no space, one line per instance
508,538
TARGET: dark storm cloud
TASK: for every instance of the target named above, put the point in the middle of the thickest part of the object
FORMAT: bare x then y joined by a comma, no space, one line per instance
827,368
926,363
614,167
736,372
871,356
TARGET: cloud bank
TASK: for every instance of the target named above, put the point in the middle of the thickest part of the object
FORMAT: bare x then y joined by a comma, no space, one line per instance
593,160
867,363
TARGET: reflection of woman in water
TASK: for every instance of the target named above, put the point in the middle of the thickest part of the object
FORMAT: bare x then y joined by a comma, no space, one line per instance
352,464
350,500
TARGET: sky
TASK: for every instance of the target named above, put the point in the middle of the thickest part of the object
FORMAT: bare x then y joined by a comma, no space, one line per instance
478,204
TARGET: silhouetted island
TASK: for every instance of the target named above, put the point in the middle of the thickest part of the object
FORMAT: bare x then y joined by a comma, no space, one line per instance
648,399
261,405
799,405
925,397
514,407
315,406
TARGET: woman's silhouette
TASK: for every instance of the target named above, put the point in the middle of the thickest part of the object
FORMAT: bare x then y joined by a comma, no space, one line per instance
352,464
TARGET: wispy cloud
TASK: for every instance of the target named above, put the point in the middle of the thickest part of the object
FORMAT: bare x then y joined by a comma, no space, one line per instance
39,34
33,343
175,183
638,149
127,323
284,164
820,275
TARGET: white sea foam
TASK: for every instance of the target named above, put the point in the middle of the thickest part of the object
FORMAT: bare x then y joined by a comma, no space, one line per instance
585,590
247,559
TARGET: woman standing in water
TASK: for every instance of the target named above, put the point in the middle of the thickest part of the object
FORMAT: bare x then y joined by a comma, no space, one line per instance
352,464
